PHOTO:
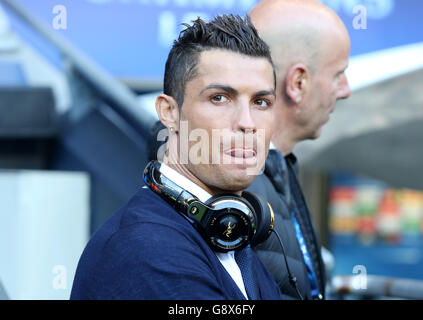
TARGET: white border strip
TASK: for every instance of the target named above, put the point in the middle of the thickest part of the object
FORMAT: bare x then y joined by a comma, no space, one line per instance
370,68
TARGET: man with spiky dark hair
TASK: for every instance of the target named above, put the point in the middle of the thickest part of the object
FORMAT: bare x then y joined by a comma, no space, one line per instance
219,83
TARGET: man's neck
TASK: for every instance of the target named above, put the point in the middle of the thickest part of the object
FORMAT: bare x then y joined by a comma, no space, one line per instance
286,135
183,170
285,146
185,183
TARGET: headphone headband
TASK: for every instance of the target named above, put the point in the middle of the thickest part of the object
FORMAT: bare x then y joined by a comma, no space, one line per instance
180,199
226,221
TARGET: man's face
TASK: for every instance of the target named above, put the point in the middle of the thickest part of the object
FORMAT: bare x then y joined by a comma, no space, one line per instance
231,96
328,85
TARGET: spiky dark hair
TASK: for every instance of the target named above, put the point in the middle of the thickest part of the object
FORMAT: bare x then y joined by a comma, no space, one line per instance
229,32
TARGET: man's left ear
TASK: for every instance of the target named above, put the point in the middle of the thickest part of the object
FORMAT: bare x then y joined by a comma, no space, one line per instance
302,84
297,82
168,111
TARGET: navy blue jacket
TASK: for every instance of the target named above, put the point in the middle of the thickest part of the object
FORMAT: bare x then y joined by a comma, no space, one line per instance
147,250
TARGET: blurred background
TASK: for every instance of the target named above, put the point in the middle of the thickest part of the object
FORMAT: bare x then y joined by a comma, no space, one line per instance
78,80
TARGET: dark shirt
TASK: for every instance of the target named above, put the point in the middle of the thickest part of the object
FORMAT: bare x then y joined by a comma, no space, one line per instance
147,250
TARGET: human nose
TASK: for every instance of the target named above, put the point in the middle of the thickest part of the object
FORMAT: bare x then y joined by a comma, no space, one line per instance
244,119
344,89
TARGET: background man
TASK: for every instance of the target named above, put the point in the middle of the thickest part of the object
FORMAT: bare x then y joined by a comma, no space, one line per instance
310,48
218,75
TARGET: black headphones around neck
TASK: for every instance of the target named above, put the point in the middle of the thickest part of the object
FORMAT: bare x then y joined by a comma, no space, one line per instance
226,221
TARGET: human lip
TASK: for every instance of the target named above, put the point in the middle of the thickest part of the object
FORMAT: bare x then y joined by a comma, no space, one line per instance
241,153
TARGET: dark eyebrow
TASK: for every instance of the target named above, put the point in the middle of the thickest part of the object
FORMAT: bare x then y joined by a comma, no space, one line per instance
233,91
228,89
265,93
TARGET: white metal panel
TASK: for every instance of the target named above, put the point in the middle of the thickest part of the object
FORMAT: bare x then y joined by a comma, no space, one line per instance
44,227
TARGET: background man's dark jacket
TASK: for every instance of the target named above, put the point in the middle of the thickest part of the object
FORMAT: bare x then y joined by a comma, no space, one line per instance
279,186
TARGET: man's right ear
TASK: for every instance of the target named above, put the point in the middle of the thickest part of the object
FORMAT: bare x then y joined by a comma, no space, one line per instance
168,111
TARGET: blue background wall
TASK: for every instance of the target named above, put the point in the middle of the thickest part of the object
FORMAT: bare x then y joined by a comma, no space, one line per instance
131,38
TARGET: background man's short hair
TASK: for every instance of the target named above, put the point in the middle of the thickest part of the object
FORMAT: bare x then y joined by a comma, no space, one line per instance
229,32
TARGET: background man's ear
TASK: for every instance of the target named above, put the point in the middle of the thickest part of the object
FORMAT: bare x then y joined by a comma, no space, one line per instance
168,111
297,82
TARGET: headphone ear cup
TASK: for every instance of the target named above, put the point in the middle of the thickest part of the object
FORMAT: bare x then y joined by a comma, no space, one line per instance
264,217
230,222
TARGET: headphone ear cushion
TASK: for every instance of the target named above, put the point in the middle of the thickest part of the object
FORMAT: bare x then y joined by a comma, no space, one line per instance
229,210
263,215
